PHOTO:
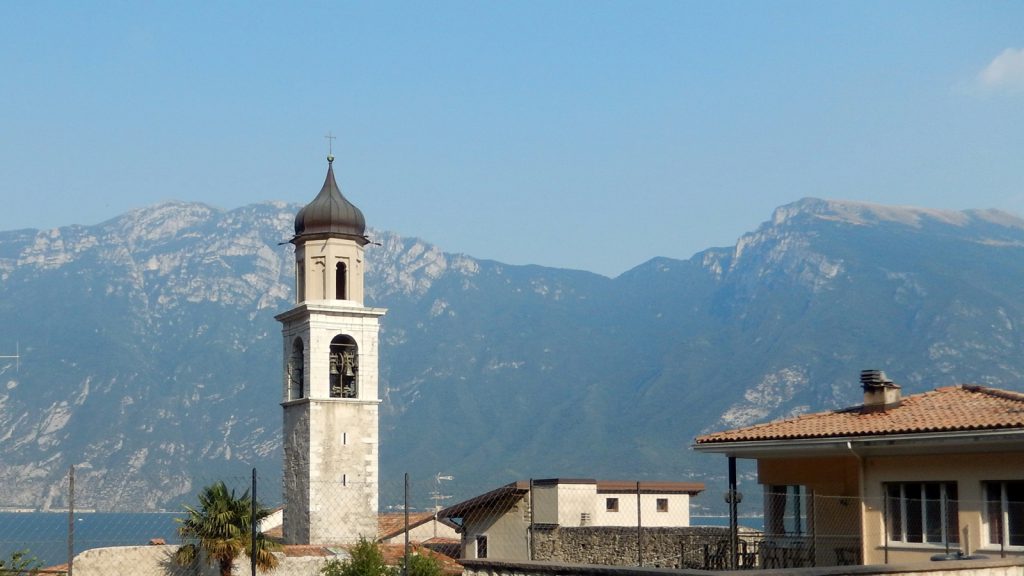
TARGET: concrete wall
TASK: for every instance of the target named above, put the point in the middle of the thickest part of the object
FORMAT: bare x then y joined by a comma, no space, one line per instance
156,561
963,568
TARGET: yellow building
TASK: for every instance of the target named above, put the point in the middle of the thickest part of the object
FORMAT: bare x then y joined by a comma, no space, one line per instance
894,480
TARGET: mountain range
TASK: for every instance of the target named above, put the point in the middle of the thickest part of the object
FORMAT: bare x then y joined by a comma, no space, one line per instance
150,358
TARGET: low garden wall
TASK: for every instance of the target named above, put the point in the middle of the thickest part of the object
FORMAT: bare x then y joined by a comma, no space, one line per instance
1006,567
682,547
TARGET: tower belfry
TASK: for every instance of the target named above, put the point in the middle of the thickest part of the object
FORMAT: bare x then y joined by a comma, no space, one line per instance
330,396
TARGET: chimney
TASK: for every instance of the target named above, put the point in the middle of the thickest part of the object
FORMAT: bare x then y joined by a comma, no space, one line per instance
880,393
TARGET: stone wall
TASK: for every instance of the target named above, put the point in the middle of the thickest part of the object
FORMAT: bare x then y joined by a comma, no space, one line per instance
1008,567
683,547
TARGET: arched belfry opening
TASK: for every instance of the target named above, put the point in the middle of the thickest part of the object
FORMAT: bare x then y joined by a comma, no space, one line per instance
341,281
344,369
296,372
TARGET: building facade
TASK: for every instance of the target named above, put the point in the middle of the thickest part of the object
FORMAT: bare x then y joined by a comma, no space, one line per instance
893,480
330,395
507,523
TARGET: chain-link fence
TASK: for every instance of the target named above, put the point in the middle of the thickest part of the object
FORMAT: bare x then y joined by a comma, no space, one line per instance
215,519
563,521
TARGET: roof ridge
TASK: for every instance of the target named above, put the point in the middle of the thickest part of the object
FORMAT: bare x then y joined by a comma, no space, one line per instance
996,392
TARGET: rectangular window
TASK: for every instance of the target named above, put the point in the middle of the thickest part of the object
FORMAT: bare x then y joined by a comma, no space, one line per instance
481,546
922,512
611,504
1004,512
662,504
787,509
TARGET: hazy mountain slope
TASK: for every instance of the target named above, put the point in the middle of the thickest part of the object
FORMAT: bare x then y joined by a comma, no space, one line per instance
150,357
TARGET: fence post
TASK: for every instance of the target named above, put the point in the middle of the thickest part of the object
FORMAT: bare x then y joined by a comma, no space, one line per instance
885,526
533,550
733,516
71,521
253,526
405,568
639,529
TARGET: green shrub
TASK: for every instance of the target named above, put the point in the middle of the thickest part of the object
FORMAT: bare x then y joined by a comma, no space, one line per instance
21,563
366,560
423,565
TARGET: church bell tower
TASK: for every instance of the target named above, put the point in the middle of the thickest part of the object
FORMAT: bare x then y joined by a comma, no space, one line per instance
329,390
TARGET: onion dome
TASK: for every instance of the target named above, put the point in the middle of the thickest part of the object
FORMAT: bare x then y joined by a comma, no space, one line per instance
330,214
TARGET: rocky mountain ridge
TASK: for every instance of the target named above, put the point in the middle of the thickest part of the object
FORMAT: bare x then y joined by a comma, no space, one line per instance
150,357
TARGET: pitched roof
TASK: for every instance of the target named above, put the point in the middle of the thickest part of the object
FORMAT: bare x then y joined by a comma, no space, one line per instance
949,409
647,487
510,493
389,525
504,496
393,554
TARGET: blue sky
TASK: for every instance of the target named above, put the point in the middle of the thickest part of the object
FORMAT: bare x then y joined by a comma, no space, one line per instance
591,135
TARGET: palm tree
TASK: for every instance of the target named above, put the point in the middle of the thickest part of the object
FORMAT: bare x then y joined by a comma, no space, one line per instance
220,530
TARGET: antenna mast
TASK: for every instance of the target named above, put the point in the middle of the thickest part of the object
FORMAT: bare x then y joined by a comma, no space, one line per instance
16,357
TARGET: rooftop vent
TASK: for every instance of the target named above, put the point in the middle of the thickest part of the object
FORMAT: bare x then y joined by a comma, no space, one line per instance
880,393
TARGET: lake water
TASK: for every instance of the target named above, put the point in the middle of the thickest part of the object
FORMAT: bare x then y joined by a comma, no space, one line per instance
755,522
45,534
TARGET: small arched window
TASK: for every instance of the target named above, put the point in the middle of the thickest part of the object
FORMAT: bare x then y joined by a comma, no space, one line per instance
341,281
344,367
296,371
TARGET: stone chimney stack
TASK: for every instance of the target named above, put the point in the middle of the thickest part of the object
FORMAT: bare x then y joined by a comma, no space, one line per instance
880,393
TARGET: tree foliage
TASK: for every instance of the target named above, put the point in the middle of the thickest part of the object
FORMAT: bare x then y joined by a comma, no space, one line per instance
20,563
219,531
423,565
366,560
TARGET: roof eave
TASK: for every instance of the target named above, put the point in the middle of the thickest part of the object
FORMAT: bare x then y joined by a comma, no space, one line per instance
920,442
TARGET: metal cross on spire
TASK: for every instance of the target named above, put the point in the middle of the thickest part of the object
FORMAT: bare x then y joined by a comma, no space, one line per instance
330,145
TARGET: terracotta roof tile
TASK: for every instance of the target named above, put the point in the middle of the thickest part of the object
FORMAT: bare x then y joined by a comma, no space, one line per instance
389,525
964,407
305,550
393,554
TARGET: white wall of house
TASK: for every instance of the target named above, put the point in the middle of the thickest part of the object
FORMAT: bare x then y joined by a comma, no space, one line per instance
576,504
673,510
507,533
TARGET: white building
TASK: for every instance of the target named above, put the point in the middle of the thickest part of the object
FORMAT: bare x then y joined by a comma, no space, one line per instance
501,523
329,385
